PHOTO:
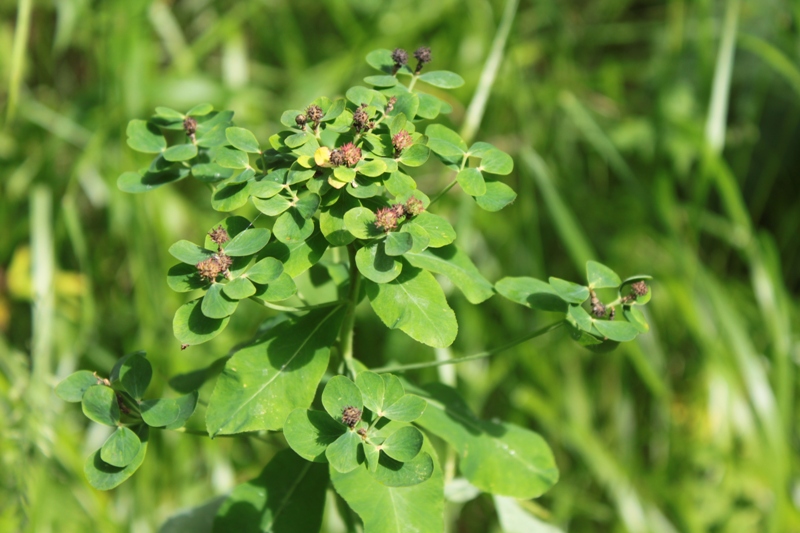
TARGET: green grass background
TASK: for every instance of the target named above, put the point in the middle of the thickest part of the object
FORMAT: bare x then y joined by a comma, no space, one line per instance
655,136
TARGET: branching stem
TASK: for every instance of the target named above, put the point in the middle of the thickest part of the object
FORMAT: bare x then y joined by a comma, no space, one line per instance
346,333
473,357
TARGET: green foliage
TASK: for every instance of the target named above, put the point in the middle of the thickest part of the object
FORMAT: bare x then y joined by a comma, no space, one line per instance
340,175
117,402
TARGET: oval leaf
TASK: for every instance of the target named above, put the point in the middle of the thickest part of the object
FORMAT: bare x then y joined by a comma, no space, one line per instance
309,433
190,326
121,448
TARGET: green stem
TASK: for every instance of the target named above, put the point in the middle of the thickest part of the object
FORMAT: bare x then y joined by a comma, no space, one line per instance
451,184
473,357
346,333
413,82
289,309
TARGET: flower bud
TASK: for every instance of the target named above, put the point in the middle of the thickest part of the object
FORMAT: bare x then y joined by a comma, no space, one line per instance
351,416
414,206
386,219
401,140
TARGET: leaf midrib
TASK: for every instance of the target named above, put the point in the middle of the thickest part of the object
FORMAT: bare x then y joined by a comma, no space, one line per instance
278,373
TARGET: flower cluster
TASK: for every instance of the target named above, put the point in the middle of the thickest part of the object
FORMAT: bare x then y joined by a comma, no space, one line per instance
400,58
346,155
387,218
351,416
314,114
209,269
401,140
638,288
361,120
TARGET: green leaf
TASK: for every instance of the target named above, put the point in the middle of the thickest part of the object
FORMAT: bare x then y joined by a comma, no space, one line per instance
382,60
372,169
71,389
245,175
407,103
429,106
307,204
265,271
399,183
211,128
337,108
264,382
458,267
103,476
395,474
288,118
282,288
439,230
421,239
242,139
407,408
404,444
443,79
298,139
626,290
372,390
298,257
231,196
189,252
375,265
100,405
136,182
493,161
287,497
360,222
445,141
496,457
180,152
415,304
121,448
216,304
247,242
531,292
381,81
415,155
291,227
273,206
497,196
580,318
168,113
171,413
387,509
309,433
332,224
372,454
359,95
471,180
239,288
339,394
268,186
398,243
184,278
200,110
344,174
192,327
600,276
633,315
617,330
211,172
231,158
145,137
342,453
570,292
134,375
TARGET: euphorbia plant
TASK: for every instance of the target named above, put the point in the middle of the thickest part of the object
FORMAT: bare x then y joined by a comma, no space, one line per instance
339,177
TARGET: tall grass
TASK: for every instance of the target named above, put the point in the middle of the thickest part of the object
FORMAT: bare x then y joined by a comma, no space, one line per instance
652,136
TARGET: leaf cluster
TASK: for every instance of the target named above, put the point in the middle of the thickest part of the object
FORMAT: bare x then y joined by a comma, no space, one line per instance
117,401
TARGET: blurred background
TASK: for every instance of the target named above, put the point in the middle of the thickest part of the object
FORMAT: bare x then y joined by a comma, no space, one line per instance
655,136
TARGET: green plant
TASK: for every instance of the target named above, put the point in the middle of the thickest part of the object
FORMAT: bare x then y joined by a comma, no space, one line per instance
337,179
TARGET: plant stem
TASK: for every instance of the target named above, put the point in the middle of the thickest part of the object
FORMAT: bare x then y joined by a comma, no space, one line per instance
296,309
442,192
412,82
473,357
346,333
